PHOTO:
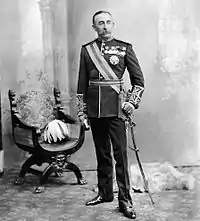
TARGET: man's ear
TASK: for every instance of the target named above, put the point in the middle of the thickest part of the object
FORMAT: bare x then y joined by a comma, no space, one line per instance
94,27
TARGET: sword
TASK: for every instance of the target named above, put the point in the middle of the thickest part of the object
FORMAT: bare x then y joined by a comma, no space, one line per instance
136,150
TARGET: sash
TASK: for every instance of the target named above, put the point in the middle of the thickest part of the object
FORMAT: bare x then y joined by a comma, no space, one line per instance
102,65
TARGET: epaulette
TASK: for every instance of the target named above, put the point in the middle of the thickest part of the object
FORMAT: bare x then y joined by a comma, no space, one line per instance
88,43
122,41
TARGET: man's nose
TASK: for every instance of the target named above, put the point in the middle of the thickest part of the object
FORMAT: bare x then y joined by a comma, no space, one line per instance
105,26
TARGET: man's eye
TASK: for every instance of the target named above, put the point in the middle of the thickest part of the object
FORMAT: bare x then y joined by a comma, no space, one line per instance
100,23
109,22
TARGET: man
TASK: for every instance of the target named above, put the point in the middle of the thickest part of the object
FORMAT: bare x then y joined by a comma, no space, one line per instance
101,99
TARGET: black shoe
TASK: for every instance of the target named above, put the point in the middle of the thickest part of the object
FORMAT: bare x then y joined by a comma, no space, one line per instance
128,211
1,173
97,200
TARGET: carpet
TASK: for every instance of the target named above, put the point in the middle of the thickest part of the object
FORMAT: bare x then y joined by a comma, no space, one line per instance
65,200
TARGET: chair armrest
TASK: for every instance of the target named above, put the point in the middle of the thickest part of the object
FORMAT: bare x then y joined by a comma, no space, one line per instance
66,117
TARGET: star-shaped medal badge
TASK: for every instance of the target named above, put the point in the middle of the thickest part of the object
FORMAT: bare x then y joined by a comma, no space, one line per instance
114,60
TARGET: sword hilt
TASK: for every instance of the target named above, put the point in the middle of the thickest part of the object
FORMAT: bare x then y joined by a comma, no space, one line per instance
129,119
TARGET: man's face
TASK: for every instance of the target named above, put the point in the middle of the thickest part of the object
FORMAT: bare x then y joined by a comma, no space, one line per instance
103,25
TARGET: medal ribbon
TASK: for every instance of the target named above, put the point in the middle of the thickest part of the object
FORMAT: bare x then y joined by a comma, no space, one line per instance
102,65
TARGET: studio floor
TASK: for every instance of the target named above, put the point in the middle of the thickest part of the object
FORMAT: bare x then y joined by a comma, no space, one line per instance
65,200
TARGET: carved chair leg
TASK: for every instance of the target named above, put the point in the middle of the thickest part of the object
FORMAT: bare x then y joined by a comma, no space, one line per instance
71,166
42,185
58,173
24,169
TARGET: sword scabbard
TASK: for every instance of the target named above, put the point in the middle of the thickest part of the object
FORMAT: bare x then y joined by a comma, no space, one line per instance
136,150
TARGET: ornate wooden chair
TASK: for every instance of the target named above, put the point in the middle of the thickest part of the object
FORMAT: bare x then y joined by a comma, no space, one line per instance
30,113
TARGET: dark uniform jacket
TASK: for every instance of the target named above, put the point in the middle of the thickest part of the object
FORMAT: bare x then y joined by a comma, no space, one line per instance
103,101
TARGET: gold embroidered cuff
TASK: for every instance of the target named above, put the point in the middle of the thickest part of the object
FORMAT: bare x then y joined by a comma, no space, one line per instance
136,95
80,105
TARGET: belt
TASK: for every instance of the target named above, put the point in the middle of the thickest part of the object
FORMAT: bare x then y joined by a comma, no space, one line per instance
105,82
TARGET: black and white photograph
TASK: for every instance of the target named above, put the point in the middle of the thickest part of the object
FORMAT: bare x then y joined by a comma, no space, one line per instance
99,110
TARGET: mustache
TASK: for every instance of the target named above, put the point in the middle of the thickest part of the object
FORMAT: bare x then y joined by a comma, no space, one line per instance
106,32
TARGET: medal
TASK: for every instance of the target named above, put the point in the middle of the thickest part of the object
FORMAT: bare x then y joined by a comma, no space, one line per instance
114,60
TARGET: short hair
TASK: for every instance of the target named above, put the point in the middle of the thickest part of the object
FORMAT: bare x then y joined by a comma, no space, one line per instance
99,12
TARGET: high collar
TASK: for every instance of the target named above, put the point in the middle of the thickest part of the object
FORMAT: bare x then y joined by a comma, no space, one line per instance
102,40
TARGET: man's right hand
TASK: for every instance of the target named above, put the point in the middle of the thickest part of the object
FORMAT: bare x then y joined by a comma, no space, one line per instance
84,121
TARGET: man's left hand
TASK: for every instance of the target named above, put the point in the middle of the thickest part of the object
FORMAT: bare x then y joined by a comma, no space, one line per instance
128,108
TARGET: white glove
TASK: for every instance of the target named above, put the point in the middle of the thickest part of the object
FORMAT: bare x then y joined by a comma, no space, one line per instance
128,108
84,121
